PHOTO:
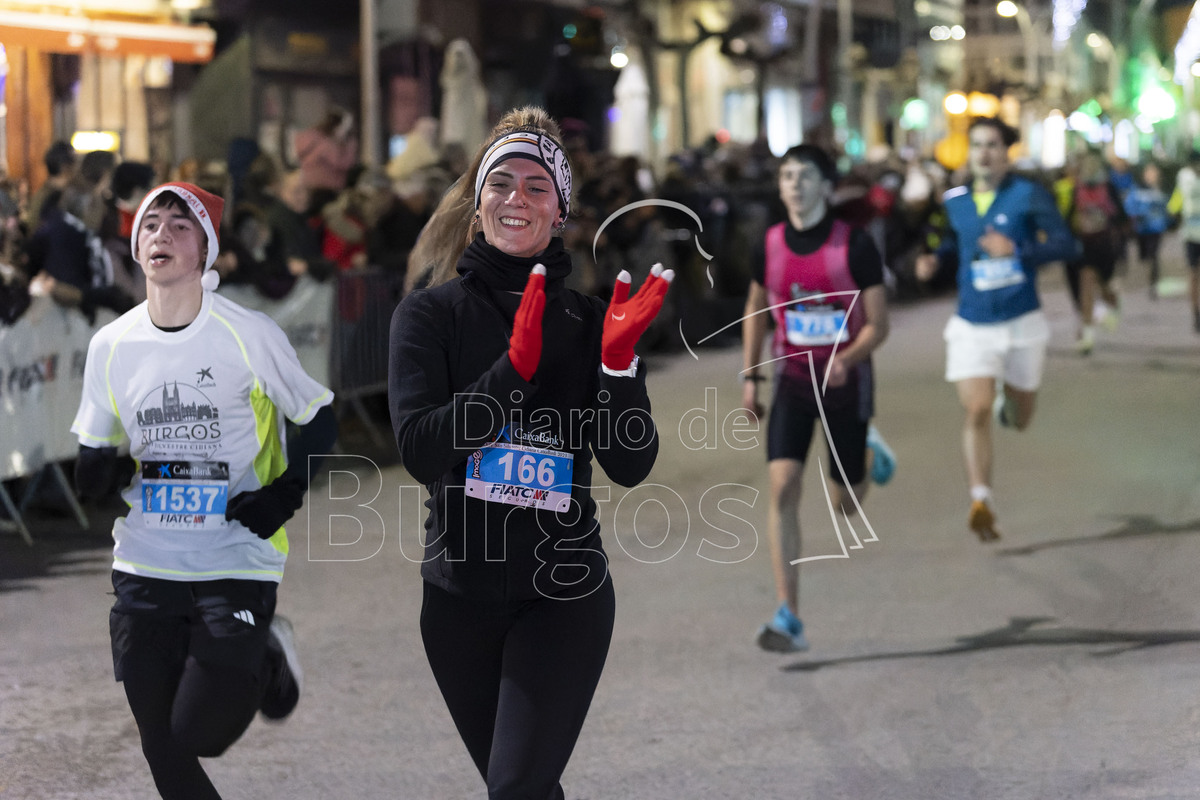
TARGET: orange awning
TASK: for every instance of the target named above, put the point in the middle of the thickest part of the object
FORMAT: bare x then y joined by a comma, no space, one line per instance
58,33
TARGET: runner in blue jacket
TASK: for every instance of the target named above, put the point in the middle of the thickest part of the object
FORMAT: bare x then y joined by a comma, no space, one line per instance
1146,204
1003,227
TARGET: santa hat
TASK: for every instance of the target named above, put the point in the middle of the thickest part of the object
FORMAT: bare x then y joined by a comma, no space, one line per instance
208,209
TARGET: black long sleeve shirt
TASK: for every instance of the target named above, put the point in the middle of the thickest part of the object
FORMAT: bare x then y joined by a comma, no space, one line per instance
452,390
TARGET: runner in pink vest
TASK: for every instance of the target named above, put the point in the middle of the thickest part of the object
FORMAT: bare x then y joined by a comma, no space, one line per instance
1097,218
822,282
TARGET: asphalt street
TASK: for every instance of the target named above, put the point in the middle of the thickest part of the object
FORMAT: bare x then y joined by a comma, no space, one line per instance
1061,662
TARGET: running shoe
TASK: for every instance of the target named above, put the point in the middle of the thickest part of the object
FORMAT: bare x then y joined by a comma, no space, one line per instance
982,521
1111,319
783,634
284,674
1086,341
883,466
1004,410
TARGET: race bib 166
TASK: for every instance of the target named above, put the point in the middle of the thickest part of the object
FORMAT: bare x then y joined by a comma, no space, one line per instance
520,475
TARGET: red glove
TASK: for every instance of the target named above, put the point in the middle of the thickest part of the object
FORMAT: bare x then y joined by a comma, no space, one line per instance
525,344
628,317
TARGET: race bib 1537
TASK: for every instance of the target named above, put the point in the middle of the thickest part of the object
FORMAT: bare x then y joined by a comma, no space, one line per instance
185,495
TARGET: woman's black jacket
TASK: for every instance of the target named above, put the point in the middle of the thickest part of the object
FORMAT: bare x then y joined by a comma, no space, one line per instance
452,390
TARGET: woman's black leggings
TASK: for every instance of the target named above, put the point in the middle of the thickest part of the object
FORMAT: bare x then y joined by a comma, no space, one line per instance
518,682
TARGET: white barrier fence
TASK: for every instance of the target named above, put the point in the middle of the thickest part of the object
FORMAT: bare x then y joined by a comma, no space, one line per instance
42,356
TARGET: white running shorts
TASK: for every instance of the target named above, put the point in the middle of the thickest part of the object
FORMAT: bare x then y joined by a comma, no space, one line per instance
1014,350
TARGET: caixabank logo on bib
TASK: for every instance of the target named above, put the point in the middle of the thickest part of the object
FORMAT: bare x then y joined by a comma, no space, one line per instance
179,417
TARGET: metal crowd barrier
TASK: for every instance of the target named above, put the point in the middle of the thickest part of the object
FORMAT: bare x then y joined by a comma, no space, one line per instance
362,317
41,377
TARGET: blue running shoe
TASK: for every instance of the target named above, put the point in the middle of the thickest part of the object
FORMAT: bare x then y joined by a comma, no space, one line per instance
884,465
783,634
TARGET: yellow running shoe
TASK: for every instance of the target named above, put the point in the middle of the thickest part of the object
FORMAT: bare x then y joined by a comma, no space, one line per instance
982,521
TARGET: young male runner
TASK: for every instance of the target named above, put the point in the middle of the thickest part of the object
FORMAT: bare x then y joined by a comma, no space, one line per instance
823,282
200,388
1003,227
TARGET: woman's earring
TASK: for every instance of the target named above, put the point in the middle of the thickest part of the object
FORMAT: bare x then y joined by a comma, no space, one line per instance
476,219
561,226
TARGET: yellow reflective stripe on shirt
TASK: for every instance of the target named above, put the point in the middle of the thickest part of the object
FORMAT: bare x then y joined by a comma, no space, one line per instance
270,461
320,401
207,574
983,201
116,438
112,353
241,345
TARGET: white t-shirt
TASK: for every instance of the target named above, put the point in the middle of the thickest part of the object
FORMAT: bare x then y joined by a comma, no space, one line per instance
203,411
1189,188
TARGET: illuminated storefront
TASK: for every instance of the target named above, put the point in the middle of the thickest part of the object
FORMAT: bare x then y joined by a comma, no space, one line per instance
103,67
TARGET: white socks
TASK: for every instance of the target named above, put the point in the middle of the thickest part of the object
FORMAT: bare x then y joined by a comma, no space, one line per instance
981,493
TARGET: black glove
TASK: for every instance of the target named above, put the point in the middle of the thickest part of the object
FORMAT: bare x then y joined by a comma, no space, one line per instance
95,469
265,510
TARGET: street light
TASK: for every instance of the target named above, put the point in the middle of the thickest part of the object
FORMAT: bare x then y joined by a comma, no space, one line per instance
955,103
1009,9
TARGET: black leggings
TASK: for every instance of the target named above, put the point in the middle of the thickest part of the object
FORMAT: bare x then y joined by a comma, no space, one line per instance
185,712
194,670
518,683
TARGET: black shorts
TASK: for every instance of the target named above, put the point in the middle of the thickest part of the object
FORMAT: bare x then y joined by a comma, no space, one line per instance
1192,249
1100,253
793,418
1148,244
218,622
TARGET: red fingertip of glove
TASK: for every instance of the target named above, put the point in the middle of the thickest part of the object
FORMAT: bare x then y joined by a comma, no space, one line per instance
525,344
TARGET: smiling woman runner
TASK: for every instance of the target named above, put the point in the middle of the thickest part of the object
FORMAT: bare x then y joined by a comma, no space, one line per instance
504,385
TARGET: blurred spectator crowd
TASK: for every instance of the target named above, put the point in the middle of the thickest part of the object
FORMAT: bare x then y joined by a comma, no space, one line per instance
327,213
70,239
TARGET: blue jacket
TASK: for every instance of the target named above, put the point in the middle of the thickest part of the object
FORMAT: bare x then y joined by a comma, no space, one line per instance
1148,207
990,290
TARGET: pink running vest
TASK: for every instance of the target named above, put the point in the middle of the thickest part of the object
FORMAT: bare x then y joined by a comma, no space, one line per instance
825,271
